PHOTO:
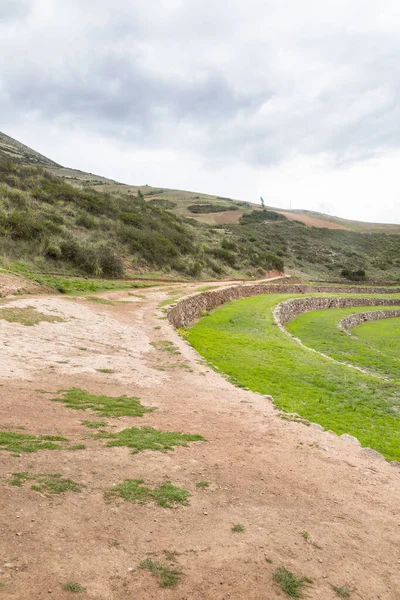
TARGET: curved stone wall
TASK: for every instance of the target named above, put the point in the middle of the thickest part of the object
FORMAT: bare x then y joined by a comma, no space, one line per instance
354,320
190,308
288,310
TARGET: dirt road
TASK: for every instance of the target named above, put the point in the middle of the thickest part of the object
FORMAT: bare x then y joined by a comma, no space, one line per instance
308,501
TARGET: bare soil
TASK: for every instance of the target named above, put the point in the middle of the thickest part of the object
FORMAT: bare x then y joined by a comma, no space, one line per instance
277,478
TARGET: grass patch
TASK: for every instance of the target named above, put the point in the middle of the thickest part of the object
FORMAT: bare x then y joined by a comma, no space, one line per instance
167,302
47,483
342,591
147,438
320,330
166,495
302,382
99,300
27,316
382,336
95,424
166,346
202,484
73,586
290,584
106,371
25,442
106,406
238,528
167,577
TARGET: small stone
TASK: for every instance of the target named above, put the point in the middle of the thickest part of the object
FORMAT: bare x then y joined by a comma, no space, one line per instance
205,513
350,439
18,533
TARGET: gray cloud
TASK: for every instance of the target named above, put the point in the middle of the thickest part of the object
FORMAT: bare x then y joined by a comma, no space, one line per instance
257,83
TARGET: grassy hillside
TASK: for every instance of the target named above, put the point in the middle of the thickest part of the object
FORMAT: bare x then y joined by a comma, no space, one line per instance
55,219
51,226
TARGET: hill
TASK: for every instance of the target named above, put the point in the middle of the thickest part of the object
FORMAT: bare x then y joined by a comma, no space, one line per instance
59,220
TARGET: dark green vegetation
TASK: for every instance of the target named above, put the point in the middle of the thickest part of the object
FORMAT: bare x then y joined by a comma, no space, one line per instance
202,484
319,330
291,585
166,575
50,226
209,208
95,424
166,495
147,438
238,528
382,336
27,316
316,388
25,442
106,406
74,587
47,483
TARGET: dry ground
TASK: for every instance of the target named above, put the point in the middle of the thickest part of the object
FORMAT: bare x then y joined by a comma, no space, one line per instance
279,479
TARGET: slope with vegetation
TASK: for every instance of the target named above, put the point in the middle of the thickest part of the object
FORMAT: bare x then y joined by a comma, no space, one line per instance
64,221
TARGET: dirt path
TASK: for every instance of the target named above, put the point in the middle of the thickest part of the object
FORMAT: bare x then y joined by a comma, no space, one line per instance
308,500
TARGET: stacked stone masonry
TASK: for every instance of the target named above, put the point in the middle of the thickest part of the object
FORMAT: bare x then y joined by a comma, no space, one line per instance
187,310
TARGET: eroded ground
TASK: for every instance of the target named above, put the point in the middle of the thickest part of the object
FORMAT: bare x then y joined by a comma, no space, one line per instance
308,501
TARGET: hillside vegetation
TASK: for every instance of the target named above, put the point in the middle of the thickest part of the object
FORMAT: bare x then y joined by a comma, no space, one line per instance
51,226
59,220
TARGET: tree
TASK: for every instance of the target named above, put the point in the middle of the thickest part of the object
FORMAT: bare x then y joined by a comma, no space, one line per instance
262,202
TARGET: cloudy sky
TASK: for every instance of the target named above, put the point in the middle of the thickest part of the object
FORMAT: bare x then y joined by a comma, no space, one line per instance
295,100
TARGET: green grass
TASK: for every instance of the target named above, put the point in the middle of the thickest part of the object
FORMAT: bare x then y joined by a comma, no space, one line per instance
290,584
166,495
342,591
47,483
24,442
27,316
238,528
74,587
202,484
166,346
320,330
300,381
99,300
167,576
106,406
79,285
106,371
95,424
147,438
382,336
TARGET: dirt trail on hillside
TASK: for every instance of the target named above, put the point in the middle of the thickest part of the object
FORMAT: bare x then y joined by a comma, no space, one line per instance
309,501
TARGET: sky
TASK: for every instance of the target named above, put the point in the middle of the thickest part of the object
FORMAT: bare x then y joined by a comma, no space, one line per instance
295,101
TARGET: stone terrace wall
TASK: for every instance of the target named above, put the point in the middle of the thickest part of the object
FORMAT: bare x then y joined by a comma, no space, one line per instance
190,308
376,315
288,310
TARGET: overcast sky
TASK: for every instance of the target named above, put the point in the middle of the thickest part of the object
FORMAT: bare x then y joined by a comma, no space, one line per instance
296,101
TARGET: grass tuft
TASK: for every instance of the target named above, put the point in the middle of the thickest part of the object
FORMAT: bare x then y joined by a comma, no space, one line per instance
73,586
290,584
47,483
27,316
147,438
238,528
166,576
166,346
25,442
202,484
167,495
342,591
107,406
95,424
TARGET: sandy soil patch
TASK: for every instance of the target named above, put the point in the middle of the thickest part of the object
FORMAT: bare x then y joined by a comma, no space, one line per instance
277,478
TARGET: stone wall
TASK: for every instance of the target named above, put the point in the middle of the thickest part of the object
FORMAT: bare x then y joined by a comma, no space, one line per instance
288,310
376,315
190,308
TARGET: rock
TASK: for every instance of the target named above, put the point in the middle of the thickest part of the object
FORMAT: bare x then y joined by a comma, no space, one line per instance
317,426
350,439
